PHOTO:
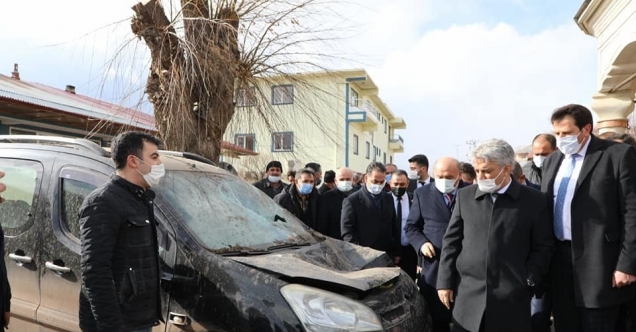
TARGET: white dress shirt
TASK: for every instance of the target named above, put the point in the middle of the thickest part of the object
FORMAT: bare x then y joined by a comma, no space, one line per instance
501,191
405,215
569,194
427,181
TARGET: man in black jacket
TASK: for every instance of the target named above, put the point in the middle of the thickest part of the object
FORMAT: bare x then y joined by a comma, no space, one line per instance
330,204
368,215
5,301
301,198
119,259
272,185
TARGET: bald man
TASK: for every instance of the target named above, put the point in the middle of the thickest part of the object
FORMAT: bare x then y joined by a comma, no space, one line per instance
425,227
330,205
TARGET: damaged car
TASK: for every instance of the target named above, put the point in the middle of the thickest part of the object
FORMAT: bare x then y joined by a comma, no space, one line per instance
231,258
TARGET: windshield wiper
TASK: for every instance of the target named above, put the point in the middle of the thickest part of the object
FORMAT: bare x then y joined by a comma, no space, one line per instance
288,245
244,253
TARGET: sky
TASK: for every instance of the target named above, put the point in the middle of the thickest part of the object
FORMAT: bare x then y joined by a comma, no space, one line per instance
455,70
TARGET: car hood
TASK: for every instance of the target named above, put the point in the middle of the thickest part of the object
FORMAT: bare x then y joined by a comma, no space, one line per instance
330,261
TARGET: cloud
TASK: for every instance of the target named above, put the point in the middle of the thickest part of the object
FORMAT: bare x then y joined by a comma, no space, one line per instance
478,82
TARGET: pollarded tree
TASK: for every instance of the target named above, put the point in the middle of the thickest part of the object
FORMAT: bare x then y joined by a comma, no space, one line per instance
211,48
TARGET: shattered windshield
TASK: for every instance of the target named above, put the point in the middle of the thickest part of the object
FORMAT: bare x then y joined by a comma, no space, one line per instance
225,213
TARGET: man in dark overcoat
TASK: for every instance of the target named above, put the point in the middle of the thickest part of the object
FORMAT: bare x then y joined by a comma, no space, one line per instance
497,247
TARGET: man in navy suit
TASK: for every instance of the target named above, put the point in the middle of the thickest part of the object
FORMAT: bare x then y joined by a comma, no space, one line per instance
425,228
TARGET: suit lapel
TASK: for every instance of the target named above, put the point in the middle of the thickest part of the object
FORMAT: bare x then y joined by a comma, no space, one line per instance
552,171
592,156
439,201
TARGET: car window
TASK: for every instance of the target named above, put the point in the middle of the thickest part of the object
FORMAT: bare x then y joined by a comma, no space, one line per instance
223,212
73,194
75,183
23,179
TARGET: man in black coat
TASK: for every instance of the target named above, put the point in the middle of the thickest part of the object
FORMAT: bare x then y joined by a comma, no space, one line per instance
497,246
301,198
119,249
329,183
5,300
425,229
272,184
368,217
330,204
593,186
418,173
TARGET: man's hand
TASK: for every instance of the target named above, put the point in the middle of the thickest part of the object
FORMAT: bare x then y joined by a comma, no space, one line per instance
446,296
396,260
428,250
7,318
622,279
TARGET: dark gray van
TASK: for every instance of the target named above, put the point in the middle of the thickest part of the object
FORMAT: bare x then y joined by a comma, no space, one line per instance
231,258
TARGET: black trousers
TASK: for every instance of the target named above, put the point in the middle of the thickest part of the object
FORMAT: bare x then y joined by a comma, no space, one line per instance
408,261
567,316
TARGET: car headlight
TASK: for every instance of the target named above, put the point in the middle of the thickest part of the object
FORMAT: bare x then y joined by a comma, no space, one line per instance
320,310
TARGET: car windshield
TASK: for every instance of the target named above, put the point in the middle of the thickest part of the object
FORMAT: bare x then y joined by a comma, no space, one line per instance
226,214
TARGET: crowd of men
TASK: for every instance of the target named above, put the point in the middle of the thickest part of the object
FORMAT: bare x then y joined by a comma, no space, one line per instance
500,246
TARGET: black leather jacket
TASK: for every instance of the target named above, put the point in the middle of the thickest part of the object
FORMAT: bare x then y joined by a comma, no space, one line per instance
120,263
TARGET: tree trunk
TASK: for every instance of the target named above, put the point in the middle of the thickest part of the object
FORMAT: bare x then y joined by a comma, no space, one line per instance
191,80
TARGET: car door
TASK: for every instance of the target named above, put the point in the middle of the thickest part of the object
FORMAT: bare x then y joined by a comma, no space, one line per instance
20,216
61,279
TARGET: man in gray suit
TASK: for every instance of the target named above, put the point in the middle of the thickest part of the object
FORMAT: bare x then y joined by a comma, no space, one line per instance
497,247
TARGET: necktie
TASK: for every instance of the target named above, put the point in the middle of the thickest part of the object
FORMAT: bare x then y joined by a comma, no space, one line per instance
560,199
493,196
399,208
449,200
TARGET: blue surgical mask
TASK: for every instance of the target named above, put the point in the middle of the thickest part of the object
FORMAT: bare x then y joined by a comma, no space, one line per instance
388,178
306,188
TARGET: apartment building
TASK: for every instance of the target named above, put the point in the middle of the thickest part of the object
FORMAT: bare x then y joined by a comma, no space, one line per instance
335,118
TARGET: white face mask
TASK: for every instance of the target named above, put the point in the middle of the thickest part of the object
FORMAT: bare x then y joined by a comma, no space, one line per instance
376,189
538,160
156,173
569,144
413,175
489,185
445,186
273,179
344,186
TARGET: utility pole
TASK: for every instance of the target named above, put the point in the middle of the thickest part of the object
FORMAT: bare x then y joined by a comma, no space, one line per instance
471,145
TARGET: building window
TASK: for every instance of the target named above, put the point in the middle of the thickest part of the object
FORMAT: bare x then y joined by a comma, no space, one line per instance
282,94
282,142
246,97
368,150
354,98
384,158
386,125
391,159
245,141
355,144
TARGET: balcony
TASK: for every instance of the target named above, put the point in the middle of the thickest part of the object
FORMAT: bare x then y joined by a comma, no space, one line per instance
367,117
396,144
397,123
